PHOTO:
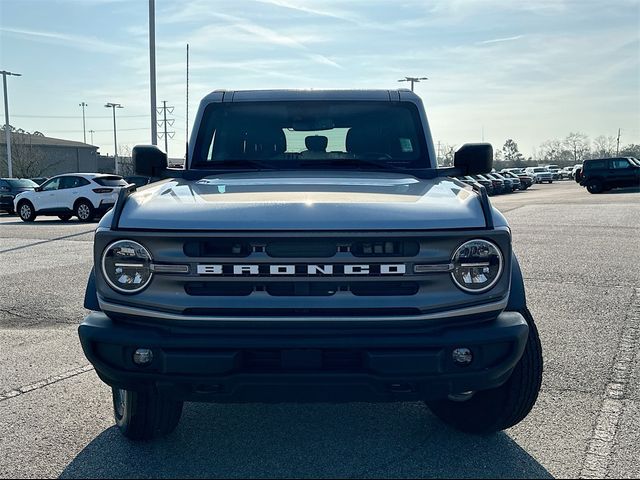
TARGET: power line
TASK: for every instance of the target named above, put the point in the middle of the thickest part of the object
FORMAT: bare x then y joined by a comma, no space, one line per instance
99,131
75,116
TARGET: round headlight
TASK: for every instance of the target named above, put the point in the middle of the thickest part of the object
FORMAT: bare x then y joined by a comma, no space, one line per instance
126,266
477,266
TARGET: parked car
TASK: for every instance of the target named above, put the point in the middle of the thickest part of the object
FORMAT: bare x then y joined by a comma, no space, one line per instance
508,185
566,172
539,174
85,195
515,181
138,180
524,181
498,185
576,173
40,180
9,188
486,183
469,180
602,174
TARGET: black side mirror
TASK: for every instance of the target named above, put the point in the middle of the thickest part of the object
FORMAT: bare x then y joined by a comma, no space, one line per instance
37,189
149,160
474,158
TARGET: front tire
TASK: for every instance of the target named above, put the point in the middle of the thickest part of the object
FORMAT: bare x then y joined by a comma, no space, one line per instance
26,211
595,186
503,407
84,211
65,218
143,415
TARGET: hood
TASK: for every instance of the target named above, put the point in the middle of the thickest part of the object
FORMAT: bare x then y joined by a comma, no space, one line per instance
304,201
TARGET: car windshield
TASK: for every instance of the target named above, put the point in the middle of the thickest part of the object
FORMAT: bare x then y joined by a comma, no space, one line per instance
634,160
21,183
309,134
540,170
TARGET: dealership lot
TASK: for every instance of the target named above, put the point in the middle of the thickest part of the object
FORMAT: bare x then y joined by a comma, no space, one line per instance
579,255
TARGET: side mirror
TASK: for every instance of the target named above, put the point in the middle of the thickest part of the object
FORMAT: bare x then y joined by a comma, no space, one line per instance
37,189
474,158
149,160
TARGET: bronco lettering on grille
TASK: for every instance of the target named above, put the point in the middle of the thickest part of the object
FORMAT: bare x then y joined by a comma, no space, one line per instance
302,269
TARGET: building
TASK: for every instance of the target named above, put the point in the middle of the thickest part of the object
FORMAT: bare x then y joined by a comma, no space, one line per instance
34,155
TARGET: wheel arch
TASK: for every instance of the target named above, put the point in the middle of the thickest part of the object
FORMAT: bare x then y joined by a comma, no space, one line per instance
517,295
78,200
91,294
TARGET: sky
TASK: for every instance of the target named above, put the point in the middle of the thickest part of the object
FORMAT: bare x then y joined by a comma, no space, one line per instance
526,70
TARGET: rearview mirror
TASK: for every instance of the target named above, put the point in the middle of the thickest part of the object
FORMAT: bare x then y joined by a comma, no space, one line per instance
474,158
149,160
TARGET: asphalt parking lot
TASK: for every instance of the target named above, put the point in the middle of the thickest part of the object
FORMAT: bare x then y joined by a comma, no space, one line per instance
579,255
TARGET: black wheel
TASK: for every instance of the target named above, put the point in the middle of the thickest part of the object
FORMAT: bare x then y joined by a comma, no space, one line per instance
550,182
595,186
84,211
65,218
26,211
146,414
503,407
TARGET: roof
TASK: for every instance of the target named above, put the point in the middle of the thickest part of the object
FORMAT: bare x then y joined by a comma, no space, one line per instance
30,139
297,95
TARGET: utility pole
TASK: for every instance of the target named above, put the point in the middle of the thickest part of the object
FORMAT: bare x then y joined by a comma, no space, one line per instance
413,80
617,142
92,132
7,130
115,140
152,70
166,122
84,132
187,109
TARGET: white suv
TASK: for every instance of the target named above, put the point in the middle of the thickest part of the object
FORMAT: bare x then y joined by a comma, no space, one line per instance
85,195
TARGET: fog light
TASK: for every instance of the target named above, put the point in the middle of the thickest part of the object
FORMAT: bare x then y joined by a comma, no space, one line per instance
142,356
462,356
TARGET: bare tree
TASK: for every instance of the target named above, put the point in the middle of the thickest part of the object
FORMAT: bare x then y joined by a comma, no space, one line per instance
603,146
125,161
447,153
578,144
554,151
28,161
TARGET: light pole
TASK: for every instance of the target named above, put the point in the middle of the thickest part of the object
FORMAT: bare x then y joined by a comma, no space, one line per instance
92,132
7,132
152,70
413,80
84,131
115,141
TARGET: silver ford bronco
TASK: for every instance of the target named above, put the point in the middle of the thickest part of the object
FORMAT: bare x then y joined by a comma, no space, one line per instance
311,250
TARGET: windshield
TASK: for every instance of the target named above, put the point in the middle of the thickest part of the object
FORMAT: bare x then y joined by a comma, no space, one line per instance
540,170
309,134
110,181
21,183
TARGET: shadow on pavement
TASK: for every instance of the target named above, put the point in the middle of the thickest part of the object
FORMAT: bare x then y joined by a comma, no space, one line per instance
622,190
292,440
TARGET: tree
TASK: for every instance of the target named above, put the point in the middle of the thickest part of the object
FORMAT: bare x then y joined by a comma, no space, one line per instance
578,144
555,151
511,153
27,161
125,161
631,150
603,146
445,155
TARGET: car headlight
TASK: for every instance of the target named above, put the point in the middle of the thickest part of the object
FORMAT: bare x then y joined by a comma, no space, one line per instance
126,265
477,266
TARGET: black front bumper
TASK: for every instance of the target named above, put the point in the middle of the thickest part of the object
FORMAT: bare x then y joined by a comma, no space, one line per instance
305,365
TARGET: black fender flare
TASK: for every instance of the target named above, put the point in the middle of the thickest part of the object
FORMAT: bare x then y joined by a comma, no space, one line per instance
90,293
517,297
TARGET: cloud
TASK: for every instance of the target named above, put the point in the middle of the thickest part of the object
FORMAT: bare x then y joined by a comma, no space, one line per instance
500,40
80,42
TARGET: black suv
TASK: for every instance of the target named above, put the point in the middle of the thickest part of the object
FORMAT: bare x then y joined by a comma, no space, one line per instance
601,174
9,188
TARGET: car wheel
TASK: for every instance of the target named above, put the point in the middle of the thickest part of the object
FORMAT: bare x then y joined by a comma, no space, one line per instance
143,415
66,217
84,211
503,407
26,211
595,186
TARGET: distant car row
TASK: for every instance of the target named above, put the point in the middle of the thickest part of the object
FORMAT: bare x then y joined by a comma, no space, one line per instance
497,183
84,195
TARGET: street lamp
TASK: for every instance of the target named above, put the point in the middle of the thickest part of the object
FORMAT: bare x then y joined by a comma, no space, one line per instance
115,141
413,80
84,130
7,132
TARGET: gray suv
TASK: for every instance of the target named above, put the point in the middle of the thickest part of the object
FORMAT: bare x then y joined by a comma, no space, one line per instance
310,251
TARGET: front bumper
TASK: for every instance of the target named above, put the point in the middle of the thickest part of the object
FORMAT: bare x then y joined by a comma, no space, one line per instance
300,364
6,203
